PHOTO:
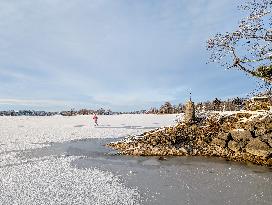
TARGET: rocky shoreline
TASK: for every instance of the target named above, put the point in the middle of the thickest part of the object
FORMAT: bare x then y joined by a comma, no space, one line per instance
244,136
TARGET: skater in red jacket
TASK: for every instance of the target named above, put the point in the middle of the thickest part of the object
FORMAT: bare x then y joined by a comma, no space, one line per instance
95,118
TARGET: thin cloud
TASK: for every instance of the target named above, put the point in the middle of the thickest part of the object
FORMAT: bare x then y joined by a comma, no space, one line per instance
115,52
32,102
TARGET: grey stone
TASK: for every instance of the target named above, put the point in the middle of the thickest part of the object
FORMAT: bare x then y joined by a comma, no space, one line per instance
183,150
241,135
258,148
260,131
224,136
270,143
266,138
219,142
234,146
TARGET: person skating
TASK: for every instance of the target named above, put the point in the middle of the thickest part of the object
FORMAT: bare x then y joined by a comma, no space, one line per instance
95,118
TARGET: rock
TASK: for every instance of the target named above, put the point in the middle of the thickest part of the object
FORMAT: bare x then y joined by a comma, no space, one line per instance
233,137
183,150
243,115
270,142
250,126
224,136
219,142
136,152
189,112
267,138
258,103
258,148
201,143
234,146
260,132
162,158
241,135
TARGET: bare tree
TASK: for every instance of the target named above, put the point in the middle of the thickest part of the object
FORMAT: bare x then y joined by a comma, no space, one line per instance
167,108
216,104
248,48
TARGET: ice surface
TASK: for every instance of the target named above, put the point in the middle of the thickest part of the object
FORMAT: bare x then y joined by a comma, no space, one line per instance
49,178
54,181
19,133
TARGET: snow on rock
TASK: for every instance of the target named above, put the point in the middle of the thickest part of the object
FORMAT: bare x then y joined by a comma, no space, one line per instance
209,136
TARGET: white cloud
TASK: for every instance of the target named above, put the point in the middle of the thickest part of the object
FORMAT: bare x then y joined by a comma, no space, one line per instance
32,102
119,52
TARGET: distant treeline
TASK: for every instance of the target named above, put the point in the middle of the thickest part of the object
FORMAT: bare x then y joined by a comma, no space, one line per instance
72,112
167,108
27,113
215,105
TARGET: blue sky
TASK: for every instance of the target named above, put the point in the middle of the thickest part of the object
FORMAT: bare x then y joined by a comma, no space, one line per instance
118,54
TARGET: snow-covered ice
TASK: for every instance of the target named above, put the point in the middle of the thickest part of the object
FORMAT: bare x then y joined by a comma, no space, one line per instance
52,179
19,133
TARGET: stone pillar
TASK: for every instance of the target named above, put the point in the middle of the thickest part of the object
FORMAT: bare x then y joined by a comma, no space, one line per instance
189,116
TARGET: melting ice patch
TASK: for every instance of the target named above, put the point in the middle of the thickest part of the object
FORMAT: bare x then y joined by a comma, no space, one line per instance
54,181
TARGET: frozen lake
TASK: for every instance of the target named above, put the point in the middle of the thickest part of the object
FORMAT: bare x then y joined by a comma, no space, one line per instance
62,160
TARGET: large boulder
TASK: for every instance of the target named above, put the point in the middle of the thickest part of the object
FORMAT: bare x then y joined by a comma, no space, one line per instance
267,138
270,142
224,136
260,131
258,148
234,146
241,135
219,142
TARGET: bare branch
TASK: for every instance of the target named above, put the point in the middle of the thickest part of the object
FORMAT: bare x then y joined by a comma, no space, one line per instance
249,47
